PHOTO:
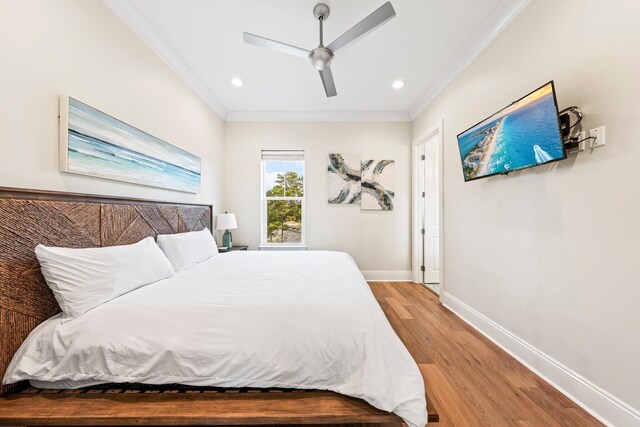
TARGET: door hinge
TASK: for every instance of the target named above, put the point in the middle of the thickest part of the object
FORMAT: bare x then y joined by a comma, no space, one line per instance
422,231
423,194
422,268
422,157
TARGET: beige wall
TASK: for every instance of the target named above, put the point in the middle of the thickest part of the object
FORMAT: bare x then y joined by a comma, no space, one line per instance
377,240
79,48
552,253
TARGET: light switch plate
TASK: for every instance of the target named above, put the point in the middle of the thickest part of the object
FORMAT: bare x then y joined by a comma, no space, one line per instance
599,137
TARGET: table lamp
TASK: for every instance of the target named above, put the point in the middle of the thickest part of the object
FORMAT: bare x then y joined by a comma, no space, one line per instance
226,221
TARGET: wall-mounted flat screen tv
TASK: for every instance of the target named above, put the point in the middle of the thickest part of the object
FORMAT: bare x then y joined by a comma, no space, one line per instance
520,136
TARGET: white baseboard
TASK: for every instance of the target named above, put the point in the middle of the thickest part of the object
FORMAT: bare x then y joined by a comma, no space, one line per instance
598,402
387,275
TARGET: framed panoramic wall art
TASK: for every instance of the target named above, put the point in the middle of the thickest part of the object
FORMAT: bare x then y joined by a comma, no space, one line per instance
96,144
378,179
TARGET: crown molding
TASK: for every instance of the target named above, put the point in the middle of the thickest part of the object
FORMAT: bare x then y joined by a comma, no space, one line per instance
318,116
492,27
133,18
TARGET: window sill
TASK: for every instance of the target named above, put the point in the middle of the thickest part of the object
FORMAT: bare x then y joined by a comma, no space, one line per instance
283,248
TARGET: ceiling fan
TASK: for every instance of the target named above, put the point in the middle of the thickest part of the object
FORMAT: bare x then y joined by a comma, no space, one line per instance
322,56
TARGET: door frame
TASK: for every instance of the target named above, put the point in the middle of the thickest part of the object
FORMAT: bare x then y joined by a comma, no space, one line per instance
417,249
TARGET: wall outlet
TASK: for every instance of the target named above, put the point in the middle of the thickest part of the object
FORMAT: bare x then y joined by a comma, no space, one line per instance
598,137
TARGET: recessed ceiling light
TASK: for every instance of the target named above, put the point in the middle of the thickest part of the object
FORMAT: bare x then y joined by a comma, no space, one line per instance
398,84
237,82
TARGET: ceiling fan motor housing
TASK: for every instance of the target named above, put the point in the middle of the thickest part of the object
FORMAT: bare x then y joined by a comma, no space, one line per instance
321,57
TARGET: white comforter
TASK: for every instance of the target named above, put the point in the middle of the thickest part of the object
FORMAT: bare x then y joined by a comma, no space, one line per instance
242,319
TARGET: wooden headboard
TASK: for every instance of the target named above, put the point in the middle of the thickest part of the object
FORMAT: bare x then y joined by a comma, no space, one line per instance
30,217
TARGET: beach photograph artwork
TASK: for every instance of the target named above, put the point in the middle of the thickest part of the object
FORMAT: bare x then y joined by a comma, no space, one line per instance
522,135
94,143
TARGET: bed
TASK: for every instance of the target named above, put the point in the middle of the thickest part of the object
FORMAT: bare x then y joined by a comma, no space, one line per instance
301,320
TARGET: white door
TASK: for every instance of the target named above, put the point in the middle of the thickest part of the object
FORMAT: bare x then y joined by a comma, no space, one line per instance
431,209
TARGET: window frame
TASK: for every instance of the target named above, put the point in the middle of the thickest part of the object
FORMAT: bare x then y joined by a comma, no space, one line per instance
264,243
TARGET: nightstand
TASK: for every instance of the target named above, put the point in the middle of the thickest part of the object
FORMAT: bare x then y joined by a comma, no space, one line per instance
233,248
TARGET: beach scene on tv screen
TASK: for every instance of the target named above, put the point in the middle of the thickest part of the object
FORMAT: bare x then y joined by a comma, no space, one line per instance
522,135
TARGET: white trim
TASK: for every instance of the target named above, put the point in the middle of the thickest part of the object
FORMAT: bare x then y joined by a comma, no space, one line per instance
286,199
416,252
133,18
492,27
277,247
318,116
601,404
387,275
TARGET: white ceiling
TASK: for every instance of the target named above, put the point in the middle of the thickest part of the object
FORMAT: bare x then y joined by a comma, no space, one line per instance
427,44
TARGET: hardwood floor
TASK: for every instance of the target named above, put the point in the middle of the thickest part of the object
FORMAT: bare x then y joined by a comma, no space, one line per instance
470,380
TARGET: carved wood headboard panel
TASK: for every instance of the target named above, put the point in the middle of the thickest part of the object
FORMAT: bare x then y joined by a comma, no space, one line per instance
29,217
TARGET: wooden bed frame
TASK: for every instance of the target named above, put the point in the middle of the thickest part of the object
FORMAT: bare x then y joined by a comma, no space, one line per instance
29,217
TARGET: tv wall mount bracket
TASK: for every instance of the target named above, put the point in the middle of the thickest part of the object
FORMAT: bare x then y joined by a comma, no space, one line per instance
571,142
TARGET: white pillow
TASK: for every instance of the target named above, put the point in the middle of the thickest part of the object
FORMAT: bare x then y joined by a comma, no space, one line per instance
185,250
82,279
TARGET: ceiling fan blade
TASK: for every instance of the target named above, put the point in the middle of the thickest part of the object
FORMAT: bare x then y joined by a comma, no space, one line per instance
327,82
275,45
362,28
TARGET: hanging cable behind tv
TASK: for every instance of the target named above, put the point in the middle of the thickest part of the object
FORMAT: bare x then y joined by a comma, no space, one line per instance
571,142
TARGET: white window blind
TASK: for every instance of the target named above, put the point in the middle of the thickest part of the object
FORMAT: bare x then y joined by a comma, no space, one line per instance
283,155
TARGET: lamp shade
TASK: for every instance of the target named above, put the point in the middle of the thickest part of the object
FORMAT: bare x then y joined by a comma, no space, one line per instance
226,221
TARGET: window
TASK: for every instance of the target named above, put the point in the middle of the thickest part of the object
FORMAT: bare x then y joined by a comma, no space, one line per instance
283,198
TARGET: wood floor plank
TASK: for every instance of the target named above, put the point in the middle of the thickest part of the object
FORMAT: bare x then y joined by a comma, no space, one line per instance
554,408
395,291
537,415
498,385
560,398
451,405
486,355
399,308
474,386
410,332
417,343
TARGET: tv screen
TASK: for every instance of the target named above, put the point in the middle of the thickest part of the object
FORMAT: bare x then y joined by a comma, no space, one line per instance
520,136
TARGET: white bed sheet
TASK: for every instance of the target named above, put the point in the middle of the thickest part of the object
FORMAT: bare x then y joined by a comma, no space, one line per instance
243,319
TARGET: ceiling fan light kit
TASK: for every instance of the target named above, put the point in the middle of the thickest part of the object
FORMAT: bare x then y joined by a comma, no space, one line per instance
321,57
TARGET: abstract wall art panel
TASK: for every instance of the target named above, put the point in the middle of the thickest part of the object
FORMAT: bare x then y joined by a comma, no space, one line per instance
344,179
96,144
378,179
